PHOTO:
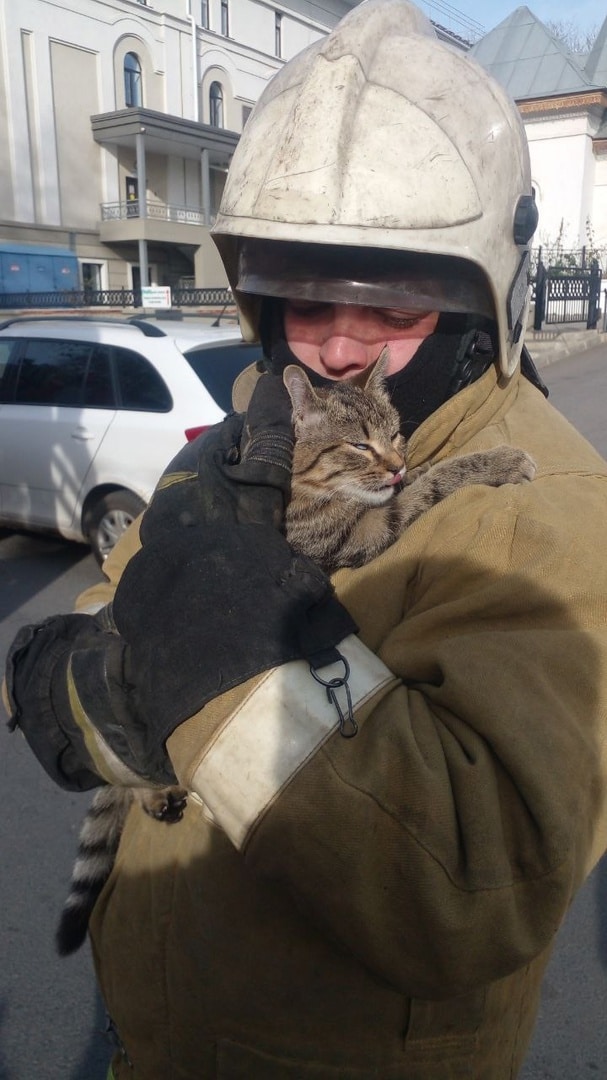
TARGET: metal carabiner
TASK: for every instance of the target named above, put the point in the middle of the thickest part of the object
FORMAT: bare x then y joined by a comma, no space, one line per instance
348,727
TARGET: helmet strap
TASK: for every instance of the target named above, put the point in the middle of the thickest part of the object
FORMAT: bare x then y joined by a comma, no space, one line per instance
450,359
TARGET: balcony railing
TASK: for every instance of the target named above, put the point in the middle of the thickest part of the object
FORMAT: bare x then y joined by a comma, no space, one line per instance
183,215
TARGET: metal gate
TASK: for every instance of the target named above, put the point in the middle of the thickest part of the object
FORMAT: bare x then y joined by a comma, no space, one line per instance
567,295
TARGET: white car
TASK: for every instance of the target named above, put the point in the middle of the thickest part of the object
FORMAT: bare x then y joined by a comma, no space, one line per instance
92,410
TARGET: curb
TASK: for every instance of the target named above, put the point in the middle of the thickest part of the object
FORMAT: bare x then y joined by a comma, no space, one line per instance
549,346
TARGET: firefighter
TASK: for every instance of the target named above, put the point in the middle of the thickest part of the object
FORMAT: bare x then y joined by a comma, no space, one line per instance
381,905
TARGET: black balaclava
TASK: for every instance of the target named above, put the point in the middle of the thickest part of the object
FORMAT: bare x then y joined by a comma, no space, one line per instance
459,351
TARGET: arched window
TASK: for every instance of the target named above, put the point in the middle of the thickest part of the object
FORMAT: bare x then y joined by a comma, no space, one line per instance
216,105
132,81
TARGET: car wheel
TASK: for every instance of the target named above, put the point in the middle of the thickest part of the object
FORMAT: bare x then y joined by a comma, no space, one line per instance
109,518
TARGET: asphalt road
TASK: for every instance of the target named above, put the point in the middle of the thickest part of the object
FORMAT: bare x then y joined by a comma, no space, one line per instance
50,1016
51,1019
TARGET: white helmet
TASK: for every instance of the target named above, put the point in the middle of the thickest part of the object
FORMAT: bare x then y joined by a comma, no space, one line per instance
382,166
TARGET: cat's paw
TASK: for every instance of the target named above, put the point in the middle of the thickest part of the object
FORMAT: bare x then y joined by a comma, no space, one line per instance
512,466
166,805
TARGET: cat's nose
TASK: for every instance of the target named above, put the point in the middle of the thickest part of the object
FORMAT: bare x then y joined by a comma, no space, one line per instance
397,465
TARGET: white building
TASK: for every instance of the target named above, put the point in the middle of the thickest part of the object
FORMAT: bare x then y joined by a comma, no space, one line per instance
118,121
563,101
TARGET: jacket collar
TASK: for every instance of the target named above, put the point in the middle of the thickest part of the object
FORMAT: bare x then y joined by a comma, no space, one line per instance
462,417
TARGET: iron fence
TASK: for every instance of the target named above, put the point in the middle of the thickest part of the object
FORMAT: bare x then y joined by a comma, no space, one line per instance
567,295
562,294
125,298
201,297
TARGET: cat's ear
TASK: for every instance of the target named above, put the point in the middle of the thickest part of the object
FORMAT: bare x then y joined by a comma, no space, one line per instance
301,392
376,375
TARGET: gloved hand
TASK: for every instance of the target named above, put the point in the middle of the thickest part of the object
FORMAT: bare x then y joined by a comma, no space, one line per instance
215,595
243,469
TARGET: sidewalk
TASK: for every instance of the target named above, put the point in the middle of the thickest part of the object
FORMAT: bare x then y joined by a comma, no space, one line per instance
547,346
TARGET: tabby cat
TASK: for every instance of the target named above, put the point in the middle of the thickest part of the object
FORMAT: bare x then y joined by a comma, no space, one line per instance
351,495
351,498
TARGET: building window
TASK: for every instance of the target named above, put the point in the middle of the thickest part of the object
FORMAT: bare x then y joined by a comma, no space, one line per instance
216,105
278,33
132,81
132,196
204,14
225,18
92,276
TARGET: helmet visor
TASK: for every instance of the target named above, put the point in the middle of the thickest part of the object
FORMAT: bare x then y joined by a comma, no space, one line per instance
370,277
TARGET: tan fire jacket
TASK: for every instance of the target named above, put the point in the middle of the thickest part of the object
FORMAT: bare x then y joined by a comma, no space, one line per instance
384,906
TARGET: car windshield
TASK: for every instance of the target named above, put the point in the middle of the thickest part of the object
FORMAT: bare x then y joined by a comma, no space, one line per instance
217,366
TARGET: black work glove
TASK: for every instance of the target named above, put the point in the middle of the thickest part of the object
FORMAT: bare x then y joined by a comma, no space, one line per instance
241,469
215,595
40,695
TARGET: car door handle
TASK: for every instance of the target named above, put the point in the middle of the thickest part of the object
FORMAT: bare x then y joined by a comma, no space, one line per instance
83,435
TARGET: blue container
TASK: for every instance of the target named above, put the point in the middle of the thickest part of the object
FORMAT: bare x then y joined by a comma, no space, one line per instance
26,268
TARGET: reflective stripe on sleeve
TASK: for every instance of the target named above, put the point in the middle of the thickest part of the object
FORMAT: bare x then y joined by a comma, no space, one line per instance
274,731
